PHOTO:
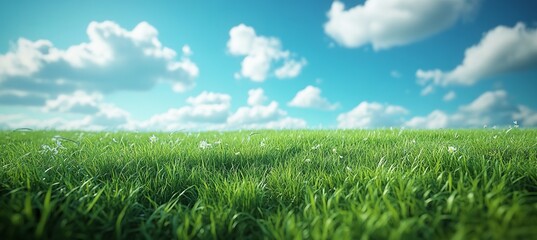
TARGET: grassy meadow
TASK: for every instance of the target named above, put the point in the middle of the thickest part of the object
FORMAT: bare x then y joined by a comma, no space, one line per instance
302,184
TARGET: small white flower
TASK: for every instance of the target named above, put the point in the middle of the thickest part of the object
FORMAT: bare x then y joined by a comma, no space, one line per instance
452,149
495,136
334,150
316,147
413,141
307,160
349,169
262,144
58,141
340,157
237,153
204,145
153,139
47,148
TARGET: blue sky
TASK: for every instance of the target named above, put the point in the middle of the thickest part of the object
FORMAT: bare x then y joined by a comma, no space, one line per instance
172,65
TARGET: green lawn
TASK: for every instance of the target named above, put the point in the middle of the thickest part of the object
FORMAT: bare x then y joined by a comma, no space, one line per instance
362,184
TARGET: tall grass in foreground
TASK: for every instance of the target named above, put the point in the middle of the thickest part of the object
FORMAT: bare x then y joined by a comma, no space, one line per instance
269,184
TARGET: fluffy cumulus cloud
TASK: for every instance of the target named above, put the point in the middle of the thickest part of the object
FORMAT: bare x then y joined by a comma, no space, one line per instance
113,59
91,114
98,114
260,54
372,115
207,111
14,121
501,50
78,102
436,119
257,115
490,108
256,97
211,111
310,97
388,23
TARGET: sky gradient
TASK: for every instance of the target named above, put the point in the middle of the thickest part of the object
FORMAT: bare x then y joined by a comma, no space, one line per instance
213,65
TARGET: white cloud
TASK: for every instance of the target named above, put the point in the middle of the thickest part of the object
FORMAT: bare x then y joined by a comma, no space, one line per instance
388,23
255,114
436,119
259,116
501,50
98,115
427,90
526,115
282,123
256,97
113,59
187,51
310,97
260,53
449,96
211,111
290,69
78,102
372,115
110,117
107,117
59,123
206,111
490,108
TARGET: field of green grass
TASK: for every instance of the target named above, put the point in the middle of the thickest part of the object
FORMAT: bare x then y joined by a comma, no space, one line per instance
329,184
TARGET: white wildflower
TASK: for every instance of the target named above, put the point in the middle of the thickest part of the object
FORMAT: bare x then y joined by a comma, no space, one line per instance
153,139
452,149
57,140
349,169
204,145
495,136
316,147
47,149
334,150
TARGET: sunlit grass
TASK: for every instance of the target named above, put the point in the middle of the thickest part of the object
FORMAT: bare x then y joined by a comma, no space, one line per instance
269,184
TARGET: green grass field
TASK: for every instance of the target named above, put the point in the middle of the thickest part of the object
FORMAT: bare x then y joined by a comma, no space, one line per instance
362,184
